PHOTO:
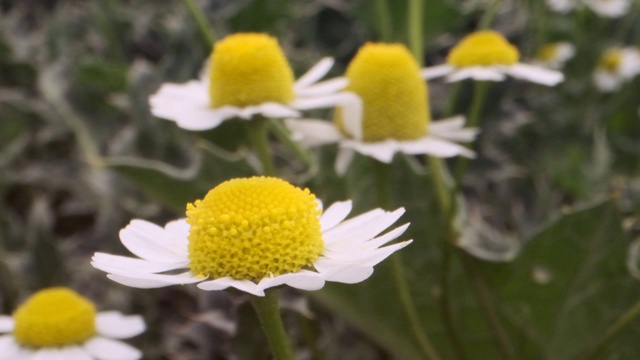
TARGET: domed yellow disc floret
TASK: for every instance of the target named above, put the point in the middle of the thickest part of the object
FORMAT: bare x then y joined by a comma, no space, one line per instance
54,317
253,228
395,103
548,52
483,48
611,59
249,69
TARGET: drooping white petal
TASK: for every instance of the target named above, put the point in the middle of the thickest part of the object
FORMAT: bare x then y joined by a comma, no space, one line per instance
481,73
561,6
149,241
9,348
349,273
369,258
107,349
226,282
352,113
370,245
436,71
6,323
535,74
151,281
319,70
123,265
606,81
343,160
65,353
363,227
311,132
382,151
448,124
303,280
453,129
115,325
337,212
436,147
324,88
275,110
609,8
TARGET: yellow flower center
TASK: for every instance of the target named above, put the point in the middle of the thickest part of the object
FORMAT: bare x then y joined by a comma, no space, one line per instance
611,59
54,317
253,228
394,96
483,48
249,69
548,52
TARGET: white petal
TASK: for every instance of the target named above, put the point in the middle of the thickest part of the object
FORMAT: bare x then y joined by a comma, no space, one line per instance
115,325
448,124
369,258
482,73
275,110
609,8
324,88
150,242
123,265
362,228
337,212
314,74
370,245
382,151
225,282
66,353
436,71
343,160
606,81
9,348
107,349
312,132
435,147
6,323
303,280
180,230
535,74
352,112
349,273
151,281
346,98
452,129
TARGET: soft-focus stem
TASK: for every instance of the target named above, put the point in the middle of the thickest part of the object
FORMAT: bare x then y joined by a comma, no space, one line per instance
414,16
206,31
259,138
269,316
485,21
281,133
623,321
479,96
384,19
383,177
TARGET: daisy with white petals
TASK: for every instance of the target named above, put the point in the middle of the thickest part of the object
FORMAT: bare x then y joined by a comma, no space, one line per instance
486,55
392,116
616,66
604,8
554,55
253,234
59,324
247,76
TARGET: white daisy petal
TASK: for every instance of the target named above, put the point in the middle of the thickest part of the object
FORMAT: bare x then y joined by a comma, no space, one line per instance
319,70
226,282
371,258
436,71
343,160
535,74
382,151
436,147
275,110
10,348
6,324
124,265
449,124
150,281
312,132
482,73
66,353
337,212
363,227
180,233
107,349
349,273
459,135
149,241
367,245
324,88
303,280
115,325
606,81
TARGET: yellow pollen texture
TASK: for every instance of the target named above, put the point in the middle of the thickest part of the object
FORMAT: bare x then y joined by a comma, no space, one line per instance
252,228
483,48
395,102
611,59
54,317
548,52
249,69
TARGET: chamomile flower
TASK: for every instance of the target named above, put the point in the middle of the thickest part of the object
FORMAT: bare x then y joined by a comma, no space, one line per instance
555,55
604,8
57,323
252,234
392,114
487,55
247,76
617,66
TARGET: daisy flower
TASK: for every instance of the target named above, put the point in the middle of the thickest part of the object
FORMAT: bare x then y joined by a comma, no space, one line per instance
57,323
616,66
604,8
487,55
555,55
391,116
247,76
253,234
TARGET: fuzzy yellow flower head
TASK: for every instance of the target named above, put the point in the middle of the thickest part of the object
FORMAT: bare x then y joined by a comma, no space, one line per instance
483,48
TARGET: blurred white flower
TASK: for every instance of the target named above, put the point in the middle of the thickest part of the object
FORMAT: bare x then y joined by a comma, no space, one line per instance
604,8
617,66
555,55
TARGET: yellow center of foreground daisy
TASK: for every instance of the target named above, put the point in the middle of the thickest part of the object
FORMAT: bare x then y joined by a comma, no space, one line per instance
394,96
253,228
249,69
611,59
483,48
54,317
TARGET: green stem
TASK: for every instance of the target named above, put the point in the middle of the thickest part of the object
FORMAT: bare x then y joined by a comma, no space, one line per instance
384,19
400,280
453,99
623,321
479,96
488,16
283,135
206,31
259,138
269,315
441,182
414,17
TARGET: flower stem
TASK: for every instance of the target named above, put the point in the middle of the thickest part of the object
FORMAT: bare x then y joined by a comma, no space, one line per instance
479,96
414,18
384,19
488,16
397,267
623,321
206,31
259,138
269,316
